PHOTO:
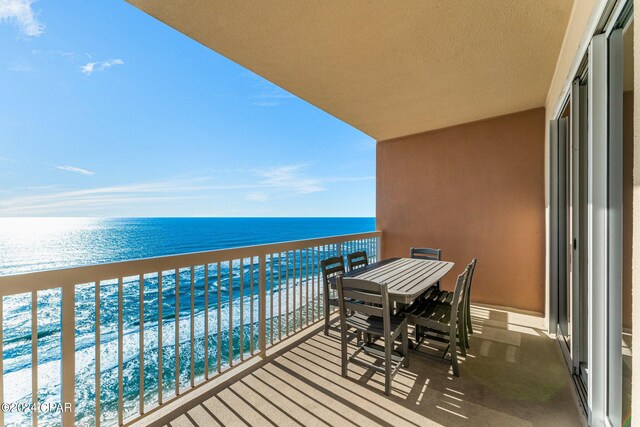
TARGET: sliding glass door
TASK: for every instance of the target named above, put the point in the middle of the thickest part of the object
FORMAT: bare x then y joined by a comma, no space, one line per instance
621,153
591,164
569,214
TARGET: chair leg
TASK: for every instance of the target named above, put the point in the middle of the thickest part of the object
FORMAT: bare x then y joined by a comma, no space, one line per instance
405,346
326,325
326,315
461,332
462,342
465,329
466,338
419,332
343,347
388,346
453,342
469,326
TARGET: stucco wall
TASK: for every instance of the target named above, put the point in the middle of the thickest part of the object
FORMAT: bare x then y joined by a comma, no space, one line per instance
473,190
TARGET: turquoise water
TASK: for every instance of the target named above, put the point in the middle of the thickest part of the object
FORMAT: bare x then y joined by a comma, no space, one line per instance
38,244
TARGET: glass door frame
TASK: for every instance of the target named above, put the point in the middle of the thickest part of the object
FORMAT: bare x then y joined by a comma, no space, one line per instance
603,145
568,164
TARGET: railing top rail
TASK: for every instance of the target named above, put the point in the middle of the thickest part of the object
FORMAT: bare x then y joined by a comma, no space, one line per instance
71,276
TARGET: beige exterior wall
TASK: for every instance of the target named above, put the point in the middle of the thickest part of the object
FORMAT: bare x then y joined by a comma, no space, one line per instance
473,190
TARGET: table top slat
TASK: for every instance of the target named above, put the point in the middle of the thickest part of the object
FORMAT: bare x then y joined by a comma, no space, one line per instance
409,282
384,273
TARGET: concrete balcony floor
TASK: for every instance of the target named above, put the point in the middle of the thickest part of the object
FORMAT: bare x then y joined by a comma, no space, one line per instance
514,375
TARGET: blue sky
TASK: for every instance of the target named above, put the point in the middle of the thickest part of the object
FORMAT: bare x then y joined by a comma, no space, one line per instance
105,111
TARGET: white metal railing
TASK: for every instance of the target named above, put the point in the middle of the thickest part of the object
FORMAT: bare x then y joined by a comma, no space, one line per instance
165,324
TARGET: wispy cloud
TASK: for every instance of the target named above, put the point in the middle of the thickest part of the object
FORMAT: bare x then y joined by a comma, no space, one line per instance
269,95
266,103
91,67
57,53
257,196
290,178
259,185
75,169
75,202
21,14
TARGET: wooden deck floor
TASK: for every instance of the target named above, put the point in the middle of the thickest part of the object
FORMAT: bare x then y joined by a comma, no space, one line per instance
513,376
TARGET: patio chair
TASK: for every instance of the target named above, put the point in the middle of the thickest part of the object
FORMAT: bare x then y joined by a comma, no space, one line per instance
357,260
330,267
429,254
426,253
445,318
446,296
468,297
369,303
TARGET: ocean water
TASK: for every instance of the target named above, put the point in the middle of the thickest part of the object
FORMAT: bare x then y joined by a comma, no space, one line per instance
45,243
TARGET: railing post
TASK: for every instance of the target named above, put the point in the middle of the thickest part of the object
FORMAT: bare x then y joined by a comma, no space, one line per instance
68,355
262,297
379,247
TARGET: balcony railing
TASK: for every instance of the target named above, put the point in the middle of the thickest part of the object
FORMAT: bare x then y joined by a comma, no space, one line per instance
116,341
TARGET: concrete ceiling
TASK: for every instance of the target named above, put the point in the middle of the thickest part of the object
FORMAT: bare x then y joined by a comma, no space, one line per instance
388,68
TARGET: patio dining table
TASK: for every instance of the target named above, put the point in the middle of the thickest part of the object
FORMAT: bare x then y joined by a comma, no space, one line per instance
406,278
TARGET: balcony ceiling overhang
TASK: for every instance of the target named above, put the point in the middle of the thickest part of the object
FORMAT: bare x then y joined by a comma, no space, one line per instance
387,68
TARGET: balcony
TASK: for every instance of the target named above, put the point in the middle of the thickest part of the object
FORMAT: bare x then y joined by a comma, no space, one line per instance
247,349
514,375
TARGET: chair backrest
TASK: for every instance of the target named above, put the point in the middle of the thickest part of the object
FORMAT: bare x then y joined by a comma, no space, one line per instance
357,260
472,269
363,296
459,294
467,291
426,253
330,267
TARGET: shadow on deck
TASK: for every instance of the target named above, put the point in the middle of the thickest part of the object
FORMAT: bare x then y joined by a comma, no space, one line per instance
514,375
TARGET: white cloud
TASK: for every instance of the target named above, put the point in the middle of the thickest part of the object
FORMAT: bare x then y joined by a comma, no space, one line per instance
55,53
289,178
257,196
75,169
91,67
73,202
269,95
266,103
260,185
20,13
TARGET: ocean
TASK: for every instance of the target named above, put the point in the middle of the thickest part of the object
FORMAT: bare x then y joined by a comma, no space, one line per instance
34,244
